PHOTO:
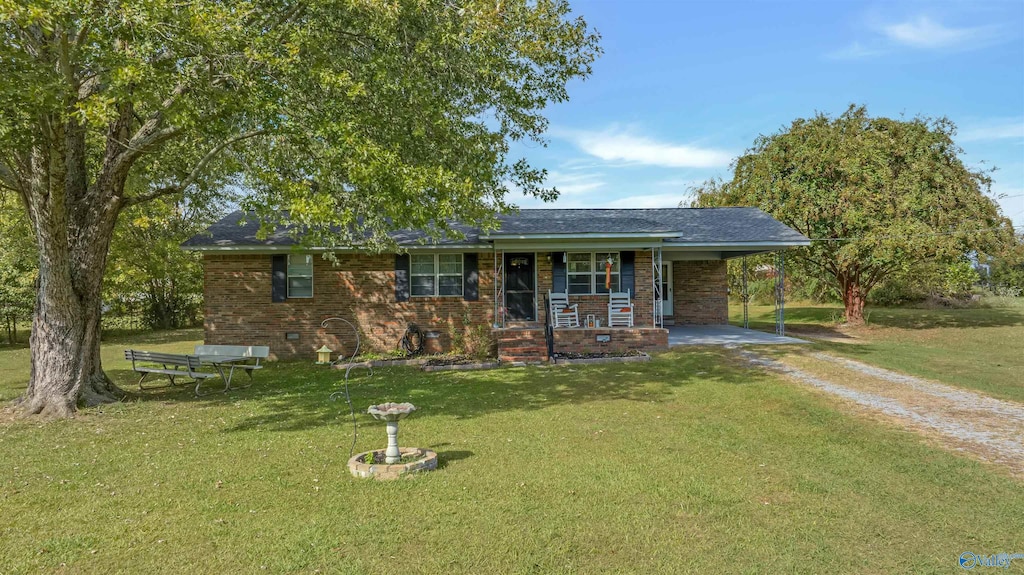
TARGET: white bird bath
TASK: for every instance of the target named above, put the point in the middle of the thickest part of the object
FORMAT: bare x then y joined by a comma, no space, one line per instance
365,465
391,413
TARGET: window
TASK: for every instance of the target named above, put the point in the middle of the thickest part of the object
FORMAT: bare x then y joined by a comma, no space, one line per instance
436,275
586,272
300,275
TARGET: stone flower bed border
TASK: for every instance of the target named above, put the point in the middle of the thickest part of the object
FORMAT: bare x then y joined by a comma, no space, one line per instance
421,362
427,461
593,360
383,363
462,366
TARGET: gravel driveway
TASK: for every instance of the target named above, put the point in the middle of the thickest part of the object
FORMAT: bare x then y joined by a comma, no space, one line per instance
986,428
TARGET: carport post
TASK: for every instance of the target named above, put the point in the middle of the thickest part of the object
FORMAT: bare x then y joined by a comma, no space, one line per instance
744,296
780,293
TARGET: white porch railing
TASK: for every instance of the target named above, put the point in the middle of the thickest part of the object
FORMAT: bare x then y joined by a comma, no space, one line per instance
499,289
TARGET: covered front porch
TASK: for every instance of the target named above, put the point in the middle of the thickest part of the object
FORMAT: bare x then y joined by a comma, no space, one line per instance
671,283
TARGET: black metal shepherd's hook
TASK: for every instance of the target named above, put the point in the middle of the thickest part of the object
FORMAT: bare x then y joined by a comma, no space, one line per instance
352,365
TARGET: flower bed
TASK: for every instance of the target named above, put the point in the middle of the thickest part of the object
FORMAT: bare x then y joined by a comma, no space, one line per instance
632,355
456,362
414,460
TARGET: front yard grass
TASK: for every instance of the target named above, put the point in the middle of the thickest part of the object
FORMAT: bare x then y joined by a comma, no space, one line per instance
690,462
980,348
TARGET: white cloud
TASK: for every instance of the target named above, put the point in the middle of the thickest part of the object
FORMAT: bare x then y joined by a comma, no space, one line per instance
614,145
924,32
996,129
569,184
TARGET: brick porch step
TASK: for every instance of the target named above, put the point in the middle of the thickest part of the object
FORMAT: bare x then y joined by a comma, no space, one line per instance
521,343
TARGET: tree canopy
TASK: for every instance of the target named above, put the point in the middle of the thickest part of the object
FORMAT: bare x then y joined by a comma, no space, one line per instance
348,118
874,194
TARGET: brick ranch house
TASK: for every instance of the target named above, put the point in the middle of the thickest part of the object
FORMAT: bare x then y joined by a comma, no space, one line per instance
672,261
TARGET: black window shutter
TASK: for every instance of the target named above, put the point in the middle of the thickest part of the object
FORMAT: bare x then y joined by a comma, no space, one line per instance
470,277
627,274
279,278
558,279
401,277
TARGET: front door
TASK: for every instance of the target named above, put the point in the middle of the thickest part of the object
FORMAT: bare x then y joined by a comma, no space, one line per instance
666,289
520,287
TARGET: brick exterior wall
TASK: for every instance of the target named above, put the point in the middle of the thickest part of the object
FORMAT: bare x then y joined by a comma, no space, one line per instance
361,289
528,344
700,295
622,340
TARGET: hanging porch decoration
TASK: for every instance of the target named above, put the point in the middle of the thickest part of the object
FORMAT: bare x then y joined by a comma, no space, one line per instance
608,273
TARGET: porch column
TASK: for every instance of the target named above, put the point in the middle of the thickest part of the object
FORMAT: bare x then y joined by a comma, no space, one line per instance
780,293
499,288
657,315
745,296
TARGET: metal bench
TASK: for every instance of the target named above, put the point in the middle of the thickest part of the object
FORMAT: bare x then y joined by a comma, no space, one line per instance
245,357
172,365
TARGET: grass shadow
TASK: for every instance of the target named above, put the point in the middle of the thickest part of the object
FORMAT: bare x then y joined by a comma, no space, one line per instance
445,458
294,396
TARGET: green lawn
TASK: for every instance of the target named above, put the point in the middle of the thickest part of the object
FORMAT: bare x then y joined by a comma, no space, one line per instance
979,348
687,463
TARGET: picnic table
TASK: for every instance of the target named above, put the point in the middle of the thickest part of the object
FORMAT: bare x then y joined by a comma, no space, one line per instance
224,359
232,357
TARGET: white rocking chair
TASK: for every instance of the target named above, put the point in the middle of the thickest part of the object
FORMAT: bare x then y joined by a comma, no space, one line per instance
563,314
620,309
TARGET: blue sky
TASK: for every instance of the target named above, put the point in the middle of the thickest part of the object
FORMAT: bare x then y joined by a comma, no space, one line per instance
685,87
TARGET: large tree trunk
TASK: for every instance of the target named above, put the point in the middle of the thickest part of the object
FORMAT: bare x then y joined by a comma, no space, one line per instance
73,224
66,366
854,296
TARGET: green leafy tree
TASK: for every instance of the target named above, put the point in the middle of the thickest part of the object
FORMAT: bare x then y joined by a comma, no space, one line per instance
17,271
1006,270
875,195
958,278
147,270
361,115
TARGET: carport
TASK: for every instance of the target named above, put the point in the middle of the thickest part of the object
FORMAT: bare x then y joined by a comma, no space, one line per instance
724,335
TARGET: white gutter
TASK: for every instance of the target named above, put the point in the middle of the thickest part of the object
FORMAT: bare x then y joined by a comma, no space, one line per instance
737,245
583,236
289,248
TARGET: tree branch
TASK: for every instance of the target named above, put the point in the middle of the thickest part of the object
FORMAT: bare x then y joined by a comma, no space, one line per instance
149,134
64,56
8,178
146,131
89,86
196,171
877,275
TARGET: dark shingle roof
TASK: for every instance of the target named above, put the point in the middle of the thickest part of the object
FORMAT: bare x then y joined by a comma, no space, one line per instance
678,226
693,225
